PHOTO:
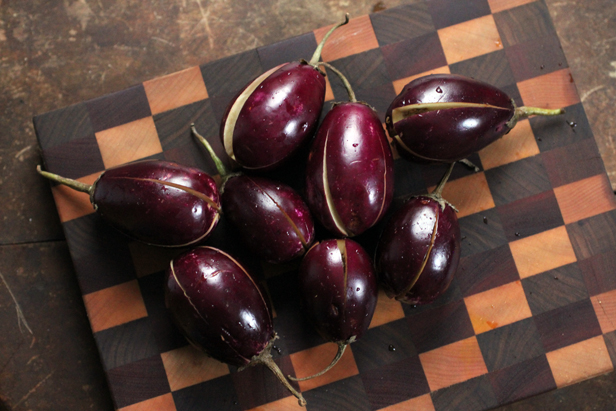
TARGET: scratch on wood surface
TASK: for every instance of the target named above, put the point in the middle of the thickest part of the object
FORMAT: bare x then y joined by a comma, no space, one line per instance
33,390
21,319
205,15
589,92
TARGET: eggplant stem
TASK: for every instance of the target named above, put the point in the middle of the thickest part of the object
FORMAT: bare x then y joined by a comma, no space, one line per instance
525,112
317,53
74,184
345,81
468,163
341,348
222,170
266,359
439,189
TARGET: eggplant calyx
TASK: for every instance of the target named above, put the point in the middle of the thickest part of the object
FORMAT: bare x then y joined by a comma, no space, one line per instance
341,348
402,112
265,358
317,53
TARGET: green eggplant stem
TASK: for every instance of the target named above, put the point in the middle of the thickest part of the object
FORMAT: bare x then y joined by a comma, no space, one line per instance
317,53
74,184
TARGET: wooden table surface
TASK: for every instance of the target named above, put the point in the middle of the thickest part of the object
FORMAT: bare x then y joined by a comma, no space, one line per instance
53,54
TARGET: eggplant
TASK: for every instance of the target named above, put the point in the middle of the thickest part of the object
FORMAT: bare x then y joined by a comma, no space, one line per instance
274,114
419,249
446,117
153,201
272,218
221,310
350,172
338,289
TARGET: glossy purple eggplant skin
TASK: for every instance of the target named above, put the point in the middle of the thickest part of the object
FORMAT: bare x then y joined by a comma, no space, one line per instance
453,134
137,200
278,117
272,218
218,306
351,153
338,289
421,239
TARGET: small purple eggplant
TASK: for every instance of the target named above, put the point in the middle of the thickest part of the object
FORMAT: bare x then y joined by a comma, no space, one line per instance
350,172
156,202
221,310
276,113
338,290
446,117
271,217
419,250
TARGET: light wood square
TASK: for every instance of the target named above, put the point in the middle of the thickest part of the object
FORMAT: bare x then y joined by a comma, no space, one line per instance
585,198
175,90
580,361
605,309
552,90
188,366
129,142
497,307
115,306
387,310
542,252
470,194
161,403
421,403
519,143
470,39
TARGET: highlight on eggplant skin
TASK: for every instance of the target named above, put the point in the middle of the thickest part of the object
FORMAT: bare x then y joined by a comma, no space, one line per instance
272,218
154,201
448,117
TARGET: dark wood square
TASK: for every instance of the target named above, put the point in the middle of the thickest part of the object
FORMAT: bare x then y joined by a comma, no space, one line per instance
522,380
610,342
536,57
555,288
524,23
364,71
126,343
530,215
518,180
599,272
573,163
347,394
394,383
408,180
257,385
216,394
167,335
402,23
118,108
563,130
446,13
61,126
590,236
401,58
382,345
510,344
493,68
481,232
440,326
75,159
286,51
433,173
138,381
567,325
173,126
474,394
483,271
100,253
231,74
295,331
379,98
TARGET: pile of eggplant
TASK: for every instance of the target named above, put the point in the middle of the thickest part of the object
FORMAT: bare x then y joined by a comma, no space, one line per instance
348,188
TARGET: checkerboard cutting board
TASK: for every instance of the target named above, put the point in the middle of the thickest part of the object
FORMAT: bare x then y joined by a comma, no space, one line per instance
533,305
